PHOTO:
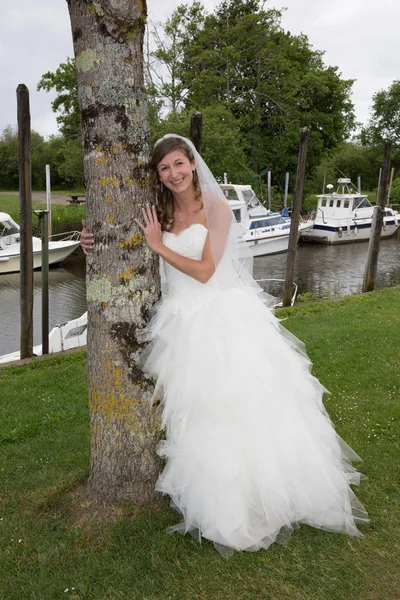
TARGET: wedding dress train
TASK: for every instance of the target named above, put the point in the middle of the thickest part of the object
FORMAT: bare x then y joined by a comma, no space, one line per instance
250,450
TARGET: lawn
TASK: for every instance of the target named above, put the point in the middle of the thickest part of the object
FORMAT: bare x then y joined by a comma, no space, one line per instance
54,543
65,217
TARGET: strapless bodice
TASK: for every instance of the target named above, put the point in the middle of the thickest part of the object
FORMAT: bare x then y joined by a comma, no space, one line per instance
190,243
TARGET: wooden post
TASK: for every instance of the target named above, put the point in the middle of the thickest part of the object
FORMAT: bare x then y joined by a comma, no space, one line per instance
377,222
25,203
379,185
45,282
295,218
48,197
196,130
390,185
269,189
286,190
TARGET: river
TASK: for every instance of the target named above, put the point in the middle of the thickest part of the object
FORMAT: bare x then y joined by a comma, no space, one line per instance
326,271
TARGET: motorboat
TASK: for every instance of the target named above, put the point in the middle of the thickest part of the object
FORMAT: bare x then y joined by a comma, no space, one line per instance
346,216
264,232
10,246
65,336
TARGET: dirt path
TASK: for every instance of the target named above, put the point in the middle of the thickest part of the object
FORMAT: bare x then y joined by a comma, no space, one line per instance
40,197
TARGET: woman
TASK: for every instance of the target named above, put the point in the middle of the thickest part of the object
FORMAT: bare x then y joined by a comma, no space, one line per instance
250,451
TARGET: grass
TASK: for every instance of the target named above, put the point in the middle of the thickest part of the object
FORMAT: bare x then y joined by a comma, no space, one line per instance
55,544
64,217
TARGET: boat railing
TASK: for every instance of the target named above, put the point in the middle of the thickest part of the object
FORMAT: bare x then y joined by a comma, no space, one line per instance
68,236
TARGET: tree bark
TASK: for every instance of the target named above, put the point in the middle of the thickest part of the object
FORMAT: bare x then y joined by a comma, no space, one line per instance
122,274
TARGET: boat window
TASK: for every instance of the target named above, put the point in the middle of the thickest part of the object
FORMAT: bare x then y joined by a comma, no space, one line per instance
331,202
338,203
346,203
388,213
361,203
250,198
236,212
270,222
323,202
230,194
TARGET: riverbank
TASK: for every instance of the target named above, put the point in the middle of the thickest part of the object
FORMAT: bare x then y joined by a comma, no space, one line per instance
55,543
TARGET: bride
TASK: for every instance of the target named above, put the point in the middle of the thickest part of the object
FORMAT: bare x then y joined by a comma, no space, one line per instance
250,451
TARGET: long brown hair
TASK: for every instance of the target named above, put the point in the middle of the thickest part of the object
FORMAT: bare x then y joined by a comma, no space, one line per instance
163,196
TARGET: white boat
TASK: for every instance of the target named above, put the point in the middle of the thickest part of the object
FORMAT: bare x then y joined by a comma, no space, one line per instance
345,216
62,337
10,246
265,232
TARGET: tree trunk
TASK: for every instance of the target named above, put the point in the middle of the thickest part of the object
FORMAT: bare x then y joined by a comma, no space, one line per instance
122,274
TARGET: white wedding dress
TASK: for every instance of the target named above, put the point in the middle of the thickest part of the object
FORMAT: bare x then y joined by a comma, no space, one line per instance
250,450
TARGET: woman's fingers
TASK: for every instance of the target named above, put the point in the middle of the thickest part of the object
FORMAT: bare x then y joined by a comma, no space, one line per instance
154,212
139,224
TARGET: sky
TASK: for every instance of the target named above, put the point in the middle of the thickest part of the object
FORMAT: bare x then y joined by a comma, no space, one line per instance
360,37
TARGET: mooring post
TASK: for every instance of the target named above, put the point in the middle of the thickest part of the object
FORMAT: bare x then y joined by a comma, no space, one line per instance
295,218
45,282
390,185
286,190
269,188
196,130
377,222
25,203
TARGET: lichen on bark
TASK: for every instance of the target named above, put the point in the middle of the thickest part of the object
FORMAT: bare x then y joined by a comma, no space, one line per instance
122,274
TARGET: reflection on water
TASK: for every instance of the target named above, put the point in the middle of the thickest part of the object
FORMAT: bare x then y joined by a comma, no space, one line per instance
323,270
334,270
67,300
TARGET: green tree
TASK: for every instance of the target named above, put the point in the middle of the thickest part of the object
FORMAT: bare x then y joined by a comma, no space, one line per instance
66,102
350,159
9,167
384,123
223,147
9,170
171,42
273,82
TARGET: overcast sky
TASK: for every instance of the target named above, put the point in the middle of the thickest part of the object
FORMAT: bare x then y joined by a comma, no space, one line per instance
361,37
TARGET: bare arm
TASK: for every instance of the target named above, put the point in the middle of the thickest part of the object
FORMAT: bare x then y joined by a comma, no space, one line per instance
201,270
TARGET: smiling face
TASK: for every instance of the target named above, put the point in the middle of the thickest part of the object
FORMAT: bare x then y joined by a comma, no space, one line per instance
175,171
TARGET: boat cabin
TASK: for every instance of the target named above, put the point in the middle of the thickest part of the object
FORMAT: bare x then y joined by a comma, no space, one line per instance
9,231
344,201
243,193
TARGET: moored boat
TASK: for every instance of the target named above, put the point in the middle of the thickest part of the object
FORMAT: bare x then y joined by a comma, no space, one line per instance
264,232
10,248
345,216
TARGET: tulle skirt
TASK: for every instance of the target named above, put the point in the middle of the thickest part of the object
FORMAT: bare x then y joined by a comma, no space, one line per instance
250,451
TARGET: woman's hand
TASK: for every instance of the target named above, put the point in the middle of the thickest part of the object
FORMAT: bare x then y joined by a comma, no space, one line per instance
87,239
152,228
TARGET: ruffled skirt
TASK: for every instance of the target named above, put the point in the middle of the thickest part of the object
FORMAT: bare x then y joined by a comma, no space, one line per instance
250,450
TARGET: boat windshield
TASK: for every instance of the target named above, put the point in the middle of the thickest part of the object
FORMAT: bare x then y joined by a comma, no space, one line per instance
251,199
270,222
361,203
230,194
8,227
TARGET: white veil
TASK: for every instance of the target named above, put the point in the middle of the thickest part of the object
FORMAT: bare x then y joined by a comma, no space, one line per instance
231,258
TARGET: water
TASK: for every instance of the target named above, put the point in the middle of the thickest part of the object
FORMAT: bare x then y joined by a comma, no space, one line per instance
334,271
67,300
327,271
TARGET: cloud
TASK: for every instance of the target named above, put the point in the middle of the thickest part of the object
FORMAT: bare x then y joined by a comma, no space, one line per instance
360,37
